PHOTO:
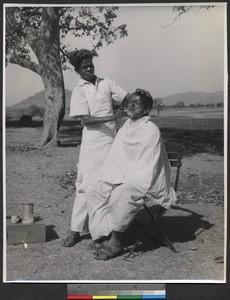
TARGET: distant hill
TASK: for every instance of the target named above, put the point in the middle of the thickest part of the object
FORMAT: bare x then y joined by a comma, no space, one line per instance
194,98
188,98
38,99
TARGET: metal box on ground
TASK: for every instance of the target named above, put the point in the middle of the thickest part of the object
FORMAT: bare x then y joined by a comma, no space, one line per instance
26,233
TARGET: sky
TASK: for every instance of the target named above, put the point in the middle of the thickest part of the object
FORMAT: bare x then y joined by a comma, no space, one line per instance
186,56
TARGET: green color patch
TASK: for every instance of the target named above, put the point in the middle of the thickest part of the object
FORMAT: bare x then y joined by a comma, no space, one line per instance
133,297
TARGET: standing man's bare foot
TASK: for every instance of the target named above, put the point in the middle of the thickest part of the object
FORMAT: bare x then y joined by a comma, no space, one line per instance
71,239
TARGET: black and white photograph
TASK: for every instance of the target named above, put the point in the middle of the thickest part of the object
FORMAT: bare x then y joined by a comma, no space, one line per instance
115,143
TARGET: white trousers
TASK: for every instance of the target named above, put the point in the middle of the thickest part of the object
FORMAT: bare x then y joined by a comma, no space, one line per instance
79,220
91,159
111,208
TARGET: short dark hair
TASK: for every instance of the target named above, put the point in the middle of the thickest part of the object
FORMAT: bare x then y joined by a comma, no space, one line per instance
76,57
147,100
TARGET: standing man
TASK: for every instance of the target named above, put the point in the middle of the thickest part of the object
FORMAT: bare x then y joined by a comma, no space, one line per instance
91,100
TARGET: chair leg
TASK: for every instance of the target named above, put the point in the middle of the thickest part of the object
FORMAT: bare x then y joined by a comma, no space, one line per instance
133,248
154,221
168,242
144,229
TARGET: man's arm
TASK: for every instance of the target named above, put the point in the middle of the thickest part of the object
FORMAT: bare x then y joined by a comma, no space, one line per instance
88,120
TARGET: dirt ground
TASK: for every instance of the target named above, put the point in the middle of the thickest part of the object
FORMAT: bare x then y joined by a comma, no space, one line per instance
46,177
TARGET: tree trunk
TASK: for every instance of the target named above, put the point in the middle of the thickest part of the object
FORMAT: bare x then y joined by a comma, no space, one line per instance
47,49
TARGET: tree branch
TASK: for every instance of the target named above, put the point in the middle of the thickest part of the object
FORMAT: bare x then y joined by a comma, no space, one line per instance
52,12
176,18
31,37
25,64
63,11
97,45
183,10
33,13
63,53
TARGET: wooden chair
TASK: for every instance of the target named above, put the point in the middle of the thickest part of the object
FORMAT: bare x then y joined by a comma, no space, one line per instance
175,154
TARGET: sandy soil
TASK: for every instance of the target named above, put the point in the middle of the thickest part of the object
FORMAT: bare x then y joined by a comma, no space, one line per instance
46,177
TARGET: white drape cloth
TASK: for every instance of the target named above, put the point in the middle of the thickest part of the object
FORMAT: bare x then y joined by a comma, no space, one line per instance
111,207
138,157
136,166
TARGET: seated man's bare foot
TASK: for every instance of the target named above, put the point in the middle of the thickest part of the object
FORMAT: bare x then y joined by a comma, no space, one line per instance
71,239
94,246
109,249
105,252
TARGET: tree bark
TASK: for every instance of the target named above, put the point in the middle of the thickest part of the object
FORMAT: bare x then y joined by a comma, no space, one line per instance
45,42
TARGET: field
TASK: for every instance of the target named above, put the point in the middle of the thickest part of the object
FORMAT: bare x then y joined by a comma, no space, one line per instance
195,224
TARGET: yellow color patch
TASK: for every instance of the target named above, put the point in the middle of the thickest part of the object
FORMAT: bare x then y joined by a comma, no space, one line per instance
104,297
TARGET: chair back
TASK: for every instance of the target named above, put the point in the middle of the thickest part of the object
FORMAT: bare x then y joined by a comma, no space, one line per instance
175,154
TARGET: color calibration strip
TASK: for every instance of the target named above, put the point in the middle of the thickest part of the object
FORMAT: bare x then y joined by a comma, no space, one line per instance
124,296
119,292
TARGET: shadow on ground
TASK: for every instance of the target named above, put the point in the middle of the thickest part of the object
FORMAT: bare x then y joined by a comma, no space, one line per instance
51,234
70,134
193,141
16,124
196,135
178,229
196,141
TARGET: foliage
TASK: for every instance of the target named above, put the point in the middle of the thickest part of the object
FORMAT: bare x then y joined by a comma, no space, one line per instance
180,104
199,104
158,105
34,110
180,10
192,105
95,23
15,36
210,105
41,32
15,113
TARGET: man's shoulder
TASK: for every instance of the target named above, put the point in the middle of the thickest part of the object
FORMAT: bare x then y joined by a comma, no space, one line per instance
78,85
78,92
104,80
76,89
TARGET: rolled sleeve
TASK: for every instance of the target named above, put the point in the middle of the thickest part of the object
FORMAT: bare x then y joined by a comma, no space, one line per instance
117,92
78,103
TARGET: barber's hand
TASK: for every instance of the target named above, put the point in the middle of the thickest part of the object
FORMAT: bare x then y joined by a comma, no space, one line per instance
120,113
143,92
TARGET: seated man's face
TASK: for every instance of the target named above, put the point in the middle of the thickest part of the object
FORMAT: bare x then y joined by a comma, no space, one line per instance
135,109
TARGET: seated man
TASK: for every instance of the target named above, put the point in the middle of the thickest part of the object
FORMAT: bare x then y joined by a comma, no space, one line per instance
136,166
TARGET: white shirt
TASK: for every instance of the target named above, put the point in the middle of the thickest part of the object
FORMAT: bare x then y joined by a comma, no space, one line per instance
96,100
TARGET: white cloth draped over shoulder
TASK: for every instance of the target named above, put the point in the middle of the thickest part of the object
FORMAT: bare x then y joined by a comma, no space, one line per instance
138,157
